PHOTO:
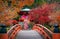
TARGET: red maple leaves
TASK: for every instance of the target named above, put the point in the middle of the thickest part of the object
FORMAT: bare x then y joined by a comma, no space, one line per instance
40,15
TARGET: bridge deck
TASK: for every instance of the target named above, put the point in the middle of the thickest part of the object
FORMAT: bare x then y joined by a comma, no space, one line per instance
28,34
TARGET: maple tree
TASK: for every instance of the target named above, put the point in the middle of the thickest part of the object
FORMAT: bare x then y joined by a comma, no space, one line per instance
40,15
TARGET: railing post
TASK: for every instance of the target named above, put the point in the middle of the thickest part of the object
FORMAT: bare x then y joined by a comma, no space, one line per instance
4,36
56,36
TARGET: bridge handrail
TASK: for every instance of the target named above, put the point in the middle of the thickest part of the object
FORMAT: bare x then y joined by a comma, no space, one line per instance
14,29
52,34
45,28
11,28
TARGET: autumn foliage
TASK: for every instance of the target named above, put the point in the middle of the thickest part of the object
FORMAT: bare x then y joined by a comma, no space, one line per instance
40,15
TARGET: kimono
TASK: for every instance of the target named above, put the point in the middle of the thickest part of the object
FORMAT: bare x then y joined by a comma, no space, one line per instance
25,24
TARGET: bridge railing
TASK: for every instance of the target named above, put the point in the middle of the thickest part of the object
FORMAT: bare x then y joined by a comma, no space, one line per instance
47,34
13,31
46,30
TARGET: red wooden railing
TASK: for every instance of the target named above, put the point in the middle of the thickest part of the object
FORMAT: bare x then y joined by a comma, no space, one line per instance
46,33
11,33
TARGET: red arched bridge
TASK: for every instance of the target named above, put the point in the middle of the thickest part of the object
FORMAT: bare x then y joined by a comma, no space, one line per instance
38,32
